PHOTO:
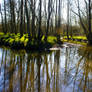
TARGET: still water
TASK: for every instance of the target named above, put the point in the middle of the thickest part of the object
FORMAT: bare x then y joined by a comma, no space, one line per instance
65,69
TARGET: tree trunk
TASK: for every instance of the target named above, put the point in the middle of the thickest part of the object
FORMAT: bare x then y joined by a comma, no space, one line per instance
33,18
48,19
89,37
68,19
5,24
21,19
28,20
40,20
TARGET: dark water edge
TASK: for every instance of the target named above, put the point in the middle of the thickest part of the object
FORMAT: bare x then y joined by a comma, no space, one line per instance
35,47
63,69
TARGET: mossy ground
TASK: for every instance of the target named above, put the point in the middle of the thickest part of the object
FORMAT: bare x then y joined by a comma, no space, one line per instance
76,40
17,42
76,37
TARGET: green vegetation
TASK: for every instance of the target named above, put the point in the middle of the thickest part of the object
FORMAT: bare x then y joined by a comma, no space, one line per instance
76,40
79,37
76,37
37,27
18,42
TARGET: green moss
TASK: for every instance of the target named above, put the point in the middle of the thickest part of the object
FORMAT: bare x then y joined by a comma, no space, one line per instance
26,35
66,37
22,39
43,38
51,39
13,34
6,36
74,42
15,41
18,34
11,41
76,37
26,41
80,37
1,33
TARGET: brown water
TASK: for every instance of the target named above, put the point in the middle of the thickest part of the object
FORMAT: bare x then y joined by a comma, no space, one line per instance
66,69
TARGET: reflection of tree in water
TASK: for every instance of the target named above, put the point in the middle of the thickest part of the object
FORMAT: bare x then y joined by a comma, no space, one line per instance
69,60
78,69
36,72
7,68
39,60
57,61
84,66
27,72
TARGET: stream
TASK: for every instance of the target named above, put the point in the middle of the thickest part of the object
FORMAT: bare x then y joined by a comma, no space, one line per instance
64,69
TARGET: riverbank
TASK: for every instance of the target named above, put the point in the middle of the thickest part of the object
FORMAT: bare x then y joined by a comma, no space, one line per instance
15,41
82,40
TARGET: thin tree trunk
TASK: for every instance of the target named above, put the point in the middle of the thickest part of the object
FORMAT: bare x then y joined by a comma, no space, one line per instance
28,20
68,19
5,17
21,19
89,16
33,18
40,20
48,19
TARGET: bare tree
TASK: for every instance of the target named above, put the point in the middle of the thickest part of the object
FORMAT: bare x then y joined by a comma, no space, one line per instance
59,19
5,18
12,14
21,19
68,6
50,2
28,20
33,2
40,20
2,20
87,30
89,4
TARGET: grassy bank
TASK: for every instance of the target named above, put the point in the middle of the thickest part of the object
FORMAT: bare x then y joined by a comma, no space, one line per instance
76,40
18,42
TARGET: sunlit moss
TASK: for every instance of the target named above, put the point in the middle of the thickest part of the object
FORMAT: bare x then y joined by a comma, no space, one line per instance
43,38
77,40
76,37
6,36
18,34
26,41
11,41
66,37
80,37
1,33
74,42
51,39
22,39
25,35
17,39
7,40
13,34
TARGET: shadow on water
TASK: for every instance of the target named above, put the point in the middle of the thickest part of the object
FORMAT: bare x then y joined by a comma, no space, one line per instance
68,69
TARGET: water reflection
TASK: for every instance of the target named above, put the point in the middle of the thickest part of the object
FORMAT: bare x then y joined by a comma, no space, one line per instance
66,70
